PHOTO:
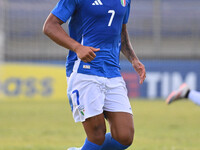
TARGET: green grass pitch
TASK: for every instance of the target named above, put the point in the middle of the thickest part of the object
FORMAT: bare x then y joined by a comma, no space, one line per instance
48,125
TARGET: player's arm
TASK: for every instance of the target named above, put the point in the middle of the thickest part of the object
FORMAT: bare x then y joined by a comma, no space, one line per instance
53,29
128,51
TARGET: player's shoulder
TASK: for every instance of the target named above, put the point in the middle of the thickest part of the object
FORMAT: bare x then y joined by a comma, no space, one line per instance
72,1
128,1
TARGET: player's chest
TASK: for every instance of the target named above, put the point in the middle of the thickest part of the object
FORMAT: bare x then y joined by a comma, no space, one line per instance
99,8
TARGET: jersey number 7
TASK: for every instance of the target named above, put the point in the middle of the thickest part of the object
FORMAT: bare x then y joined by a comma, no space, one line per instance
112,16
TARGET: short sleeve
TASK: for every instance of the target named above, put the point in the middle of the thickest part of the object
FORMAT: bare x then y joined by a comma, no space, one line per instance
125,21
64,9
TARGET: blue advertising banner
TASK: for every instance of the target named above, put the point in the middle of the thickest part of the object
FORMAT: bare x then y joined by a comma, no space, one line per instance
163,76
39,81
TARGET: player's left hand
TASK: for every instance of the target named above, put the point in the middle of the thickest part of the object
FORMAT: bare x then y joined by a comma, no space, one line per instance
140,69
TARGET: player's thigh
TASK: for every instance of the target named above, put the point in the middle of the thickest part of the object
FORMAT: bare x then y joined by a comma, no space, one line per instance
118,111
121,126
95,129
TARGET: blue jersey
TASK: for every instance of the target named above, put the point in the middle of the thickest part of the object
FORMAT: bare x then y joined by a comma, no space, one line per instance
95,23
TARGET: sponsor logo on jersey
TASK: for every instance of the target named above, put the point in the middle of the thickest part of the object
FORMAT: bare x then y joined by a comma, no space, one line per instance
97,2
123,2
86,66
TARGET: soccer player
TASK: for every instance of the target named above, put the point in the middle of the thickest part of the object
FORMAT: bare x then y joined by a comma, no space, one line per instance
97,33
182,93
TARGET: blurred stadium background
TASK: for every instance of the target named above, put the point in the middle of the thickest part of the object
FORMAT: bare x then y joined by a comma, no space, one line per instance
166,37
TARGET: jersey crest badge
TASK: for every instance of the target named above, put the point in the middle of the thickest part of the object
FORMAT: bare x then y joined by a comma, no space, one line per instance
123,2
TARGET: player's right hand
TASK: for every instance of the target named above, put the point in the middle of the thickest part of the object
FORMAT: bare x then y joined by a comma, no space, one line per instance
85,53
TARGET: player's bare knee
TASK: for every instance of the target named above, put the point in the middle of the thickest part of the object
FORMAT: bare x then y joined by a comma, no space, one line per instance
125,138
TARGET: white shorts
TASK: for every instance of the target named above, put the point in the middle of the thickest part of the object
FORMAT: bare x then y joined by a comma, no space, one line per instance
90,95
